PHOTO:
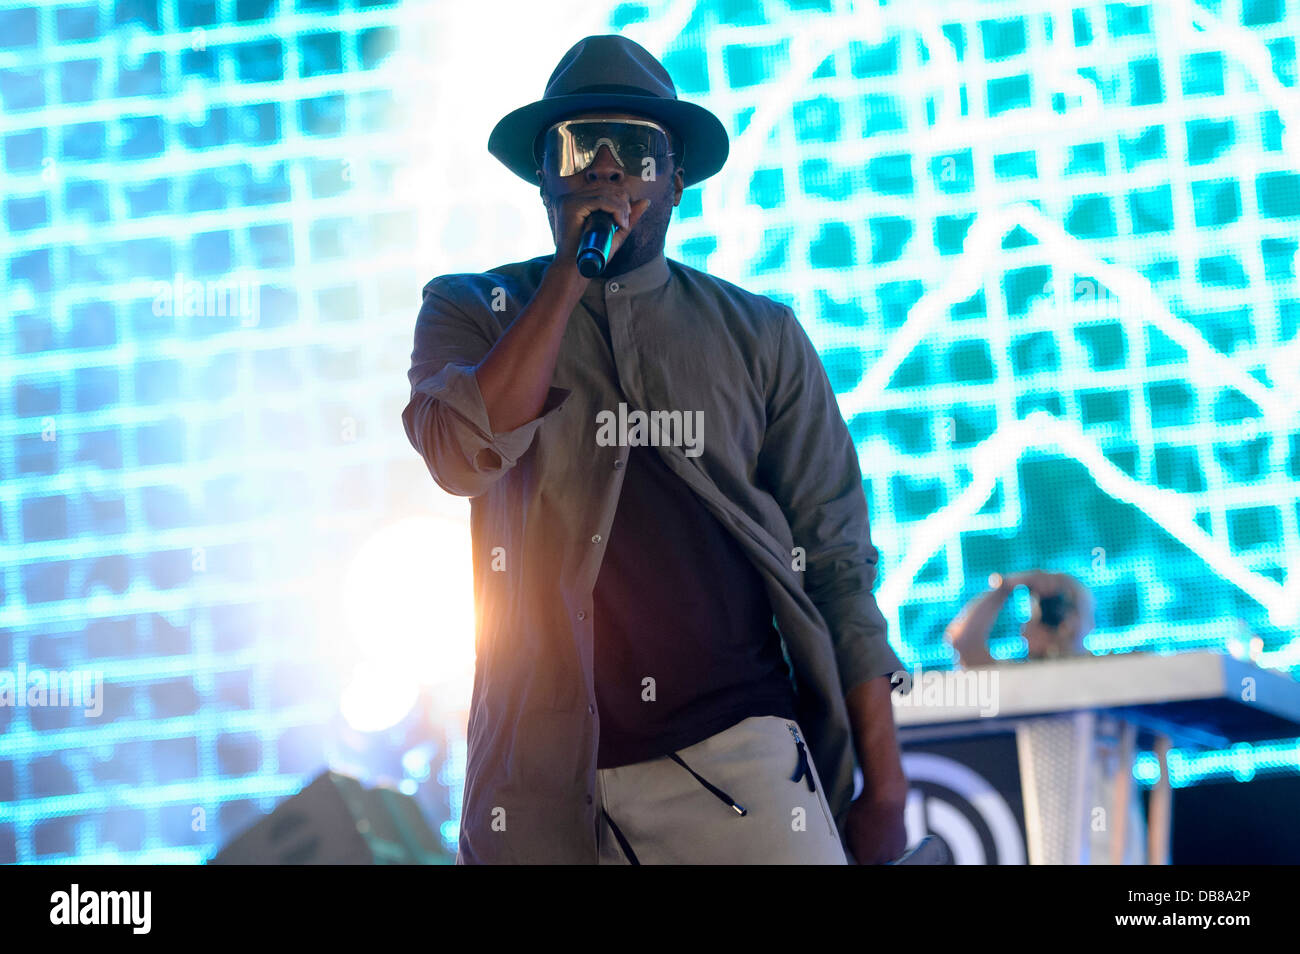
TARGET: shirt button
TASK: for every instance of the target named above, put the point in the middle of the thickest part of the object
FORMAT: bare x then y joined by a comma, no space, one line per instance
613,286
595,538
581,614
591,709
618,464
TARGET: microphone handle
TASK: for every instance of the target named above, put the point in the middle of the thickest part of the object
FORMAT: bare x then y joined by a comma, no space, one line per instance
594,248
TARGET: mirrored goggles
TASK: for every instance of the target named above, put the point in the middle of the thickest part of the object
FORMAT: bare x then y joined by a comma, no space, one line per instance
571,146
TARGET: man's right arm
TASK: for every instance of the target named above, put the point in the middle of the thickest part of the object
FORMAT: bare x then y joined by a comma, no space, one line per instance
476,403
514,377
454,420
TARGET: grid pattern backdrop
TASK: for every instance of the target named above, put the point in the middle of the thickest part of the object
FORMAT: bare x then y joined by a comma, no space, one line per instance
1047,250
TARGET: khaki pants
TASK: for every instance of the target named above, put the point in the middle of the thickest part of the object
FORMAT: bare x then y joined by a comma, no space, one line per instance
659,812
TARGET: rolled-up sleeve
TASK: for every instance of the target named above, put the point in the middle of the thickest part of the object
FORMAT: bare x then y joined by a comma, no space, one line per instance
445,419
809,463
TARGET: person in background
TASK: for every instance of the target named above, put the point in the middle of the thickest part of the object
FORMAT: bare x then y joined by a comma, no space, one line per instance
1060,618
1061,615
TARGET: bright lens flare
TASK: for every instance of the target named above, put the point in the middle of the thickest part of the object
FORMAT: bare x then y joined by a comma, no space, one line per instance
378,697
408,602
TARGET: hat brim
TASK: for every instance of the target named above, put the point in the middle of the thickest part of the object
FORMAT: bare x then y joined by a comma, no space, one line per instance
704,140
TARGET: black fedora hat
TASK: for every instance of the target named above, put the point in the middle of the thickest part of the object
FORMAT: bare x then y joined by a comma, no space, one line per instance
611,73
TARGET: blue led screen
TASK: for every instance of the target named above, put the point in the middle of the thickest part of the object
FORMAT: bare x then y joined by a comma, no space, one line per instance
1047,251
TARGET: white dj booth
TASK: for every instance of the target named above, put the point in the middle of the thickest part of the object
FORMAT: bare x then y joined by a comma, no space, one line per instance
1015,757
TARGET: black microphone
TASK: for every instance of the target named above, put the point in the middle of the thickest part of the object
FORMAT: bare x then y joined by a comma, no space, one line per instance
597,237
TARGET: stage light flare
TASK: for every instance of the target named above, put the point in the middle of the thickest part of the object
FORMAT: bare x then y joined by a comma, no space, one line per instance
378,697
408,604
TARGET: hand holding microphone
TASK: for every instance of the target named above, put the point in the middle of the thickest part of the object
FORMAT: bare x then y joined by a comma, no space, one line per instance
591,226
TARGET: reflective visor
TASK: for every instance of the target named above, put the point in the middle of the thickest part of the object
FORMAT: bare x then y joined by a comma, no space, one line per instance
571,146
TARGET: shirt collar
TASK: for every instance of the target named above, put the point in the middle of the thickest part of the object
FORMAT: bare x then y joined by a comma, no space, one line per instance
643,278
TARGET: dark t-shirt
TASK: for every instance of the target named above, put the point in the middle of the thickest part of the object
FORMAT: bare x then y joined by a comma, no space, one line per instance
678,601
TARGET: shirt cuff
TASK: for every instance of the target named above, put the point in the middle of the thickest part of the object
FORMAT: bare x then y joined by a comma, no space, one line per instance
456,387
865,660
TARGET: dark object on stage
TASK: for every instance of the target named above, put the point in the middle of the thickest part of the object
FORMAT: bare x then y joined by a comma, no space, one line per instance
928,851
1053,609
337,821
597,237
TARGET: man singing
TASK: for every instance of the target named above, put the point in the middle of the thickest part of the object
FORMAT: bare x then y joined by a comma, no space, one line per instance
679,653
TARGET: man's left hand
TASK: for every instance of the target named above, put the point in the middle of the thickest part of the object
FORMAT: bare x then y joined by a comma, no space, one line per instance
875,831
